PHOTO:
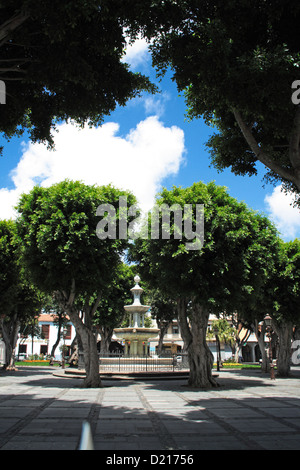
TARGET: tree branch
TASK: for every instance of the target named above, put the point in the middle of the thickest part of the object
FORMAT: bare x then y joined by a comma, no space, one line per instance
17,59
12,69
72,293
11,79
10,25
260,154
183,322
96,304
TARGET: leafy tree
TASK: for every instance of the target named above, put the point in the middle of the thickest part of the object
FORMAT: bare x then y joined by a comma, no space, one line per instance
163,310
110,312
236,62
57,228
232,264
9,272
62,61
19,301
286,302
221,328
60,320
279,298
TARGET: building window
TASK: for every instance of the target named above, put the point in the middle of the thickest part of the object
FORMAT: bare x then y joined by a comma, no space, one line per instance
175,330
68,332
45,331
22,348
44,349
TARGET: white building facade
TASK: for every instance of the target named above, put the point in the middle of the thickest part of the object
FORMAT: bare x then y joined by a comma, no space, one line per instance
42,346
172,344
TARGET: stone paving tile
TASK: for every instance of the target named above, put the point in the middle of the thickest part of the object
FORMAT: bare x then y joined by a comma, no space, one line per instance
284,412
6,424
20,402
37,442
273,442
58,413
238,413
51,426
109,412
259,425
224,442
295,422
199,427
264,403
42,412
15,412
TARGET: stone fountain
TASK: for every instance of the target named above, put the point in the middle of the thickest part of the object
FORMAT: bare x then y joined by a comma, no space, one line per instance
136,336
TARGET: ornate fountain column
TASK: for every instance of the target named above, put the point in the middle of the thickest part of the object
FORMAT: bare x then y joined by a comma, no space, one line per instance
136,335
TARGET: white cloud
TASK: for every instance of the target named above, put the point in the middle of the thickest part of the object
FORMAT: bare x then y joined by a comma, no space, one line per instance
284,215
138,162
136,53
156,104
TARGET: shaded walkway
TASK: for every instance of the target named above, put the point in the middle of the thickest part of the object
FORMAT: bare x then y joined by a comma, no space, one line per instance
249,411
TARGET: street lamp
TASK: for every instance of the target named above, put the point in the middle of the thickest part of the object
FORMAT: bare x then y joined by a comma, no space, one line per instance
268,322
218,348
63,350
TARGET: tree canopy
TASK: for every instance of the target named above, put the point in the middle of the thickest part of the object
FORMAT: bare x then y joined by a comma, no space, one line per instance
230,269
19,300
57,228
60,61
236,62
284,294
9,272
110,312
239,245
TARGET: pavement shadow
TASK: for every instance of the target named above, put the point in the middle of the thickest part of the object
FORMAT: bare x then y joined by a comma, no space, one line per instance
227,380
134,418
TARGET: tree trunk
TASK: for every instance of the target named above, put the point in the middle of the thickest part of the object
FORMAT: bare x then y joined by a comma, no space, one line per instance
163,328
260,336
60,322
199,355
84,329
285,335
238,347
91,360
90,352
106,334
73,361
239,341
10,332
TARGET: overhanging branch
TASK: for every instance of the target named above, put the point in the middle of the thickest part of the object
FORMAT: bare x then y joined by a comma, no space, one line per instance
260,154
96,304
10,25
72,294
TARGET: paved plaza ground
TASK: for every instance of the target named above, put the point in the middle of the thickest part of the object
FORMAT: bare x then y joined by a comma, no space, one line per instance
41,411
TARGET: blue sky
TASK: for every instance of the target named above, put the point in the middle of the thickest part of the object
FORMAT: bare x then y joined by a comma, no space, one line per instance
142,147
